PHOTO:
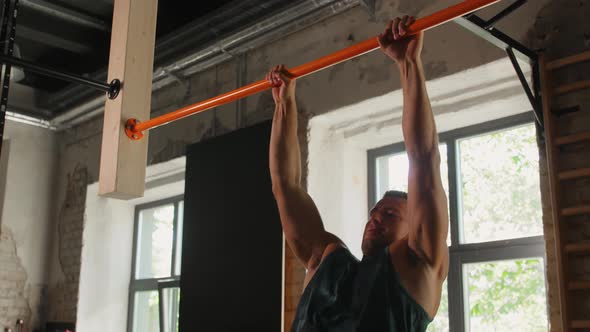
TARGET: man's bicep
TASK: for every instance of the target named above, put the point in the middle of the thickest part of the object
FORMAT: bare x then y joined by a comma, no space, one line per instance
427,211
302,224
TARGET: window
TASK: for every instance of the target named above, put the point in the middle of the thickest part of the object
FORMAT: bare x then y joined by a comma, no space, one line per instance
154,292
490,173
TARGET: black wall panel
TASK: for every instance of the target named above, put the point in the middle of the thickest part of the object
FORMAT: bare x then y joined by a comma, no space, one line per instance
232,241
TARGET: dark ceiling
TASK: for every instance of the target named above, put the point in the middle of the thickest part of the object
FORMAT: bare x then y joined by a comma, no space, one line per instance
45,37
74,35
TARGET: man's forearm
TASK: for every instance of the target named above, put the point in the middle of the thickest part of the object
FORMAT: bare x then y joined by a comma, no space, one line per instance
285,159
417,120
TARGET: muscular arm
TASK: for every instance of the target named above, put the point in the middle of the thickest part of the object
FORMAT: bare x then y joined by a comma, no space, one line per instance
300,218
427,202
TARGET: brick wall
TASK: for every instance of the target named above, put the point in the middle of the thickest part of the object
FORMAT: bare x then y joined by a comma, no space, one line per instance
561,30
63,298
554,312
13,304
27,177
574,193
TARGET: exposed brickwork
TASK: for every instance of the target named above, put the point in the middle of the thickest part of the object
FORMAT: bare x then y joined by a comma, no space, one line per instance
576,192
63,299
561,30
554,312
13,277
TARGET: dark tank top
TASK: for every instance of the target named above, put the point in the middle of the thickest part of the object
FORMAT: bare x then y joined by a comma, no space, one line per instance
346,295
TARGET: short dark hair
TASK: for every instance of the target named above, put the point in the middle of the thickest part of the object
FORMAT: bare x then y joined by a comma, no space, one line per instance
396,194
393,194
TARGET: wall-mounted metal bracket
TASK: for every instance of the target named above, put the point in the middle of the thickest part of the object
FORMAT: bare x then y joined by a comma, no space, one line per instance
114,88
130,130
514,49
532,96
507,11
480,28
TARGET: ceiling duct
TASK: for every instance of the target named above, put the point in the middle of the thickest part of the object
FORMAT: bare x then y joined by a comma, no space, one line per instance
294,18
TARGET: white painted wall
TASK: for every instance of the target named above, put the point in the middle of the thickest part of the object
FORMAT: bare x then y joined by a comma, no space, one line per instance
339,140
27,205
107,249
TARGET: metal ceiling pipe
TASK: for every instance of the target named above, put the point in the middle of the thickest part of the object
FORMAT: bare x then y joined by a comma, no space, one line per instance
319,8
32,121
79,114
67,14
215,24
255,36
290,20
170,48
135,128
290,16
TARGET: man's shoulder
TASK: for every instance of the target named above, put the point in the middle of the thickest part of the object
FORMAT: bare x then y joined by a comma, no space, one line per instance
332,250
332,247
334,254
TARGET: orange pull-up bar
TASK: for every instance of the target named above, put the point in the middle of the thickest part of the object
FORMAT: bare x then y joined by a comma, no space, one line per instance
134,128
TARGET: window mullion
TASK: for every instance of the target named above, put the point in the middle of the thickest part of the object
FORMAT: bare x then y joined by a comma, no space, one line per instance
174,312
455,277
161,308
153,284
498,254
174,238
133,271
131,310
167,308
144,285
371,178
456,295
453,173
169,282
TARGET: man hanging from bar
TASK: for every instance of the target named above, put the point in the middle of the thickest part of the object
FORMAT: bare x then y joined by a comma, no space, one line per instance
397,285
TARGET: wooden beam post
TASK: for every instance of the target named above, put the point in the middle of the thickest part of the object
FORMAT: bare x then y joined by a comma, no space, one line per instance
123,161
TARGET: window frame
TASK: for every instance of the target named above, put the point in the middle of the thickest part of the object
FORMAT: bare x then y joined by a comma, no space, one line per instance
460,254
153,284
